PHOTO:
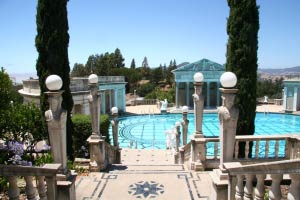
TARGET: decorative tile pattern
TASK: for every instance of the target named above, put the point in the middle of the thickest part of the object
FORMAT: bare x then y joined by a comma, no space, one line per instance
145,189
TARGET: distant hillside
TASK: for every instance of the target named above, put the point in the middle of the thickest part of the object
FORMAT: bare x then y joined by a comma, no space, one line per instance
281,72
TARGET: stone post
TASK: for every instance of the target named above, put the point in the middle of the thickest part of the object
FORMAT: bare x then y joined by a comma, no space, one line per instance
177,135
228,116
198,144
185,124
96,141
115,130
56,118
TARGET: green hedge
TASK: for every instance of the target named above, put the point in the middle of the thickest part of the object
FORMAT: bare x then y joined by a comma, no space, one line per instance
83,129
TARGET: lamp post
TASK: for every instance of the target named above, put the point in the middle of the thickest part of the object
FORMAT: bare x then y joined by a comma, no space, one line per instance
94,101
96,141
185,124
115,122
56,118
198,104
228,117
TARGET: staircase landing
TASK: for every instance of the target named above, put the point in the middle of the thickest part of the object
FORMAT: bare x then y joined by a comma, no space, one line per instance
144,174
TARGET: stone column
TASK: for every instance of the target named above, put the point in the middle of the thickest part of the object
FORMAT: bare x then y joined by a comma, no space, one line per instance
115,130
187,93
96,141
198,109
176,95
218,94
178,133
295,100
56,119
285,98
228,116
208,94
185,125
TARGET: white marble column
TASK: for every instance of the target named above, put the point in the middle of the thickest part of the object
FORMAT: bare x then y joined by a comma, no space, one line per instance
284,98
218,94
176,95
124,100
295,100
207,94
187,93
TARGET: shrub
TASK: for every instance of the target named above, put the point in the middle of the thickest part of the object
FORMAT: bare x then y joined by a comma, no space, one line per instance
83,129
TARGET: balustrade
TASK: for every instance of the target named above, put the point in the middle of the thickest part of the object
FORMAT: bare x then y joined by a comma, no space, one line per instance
46,173
257,173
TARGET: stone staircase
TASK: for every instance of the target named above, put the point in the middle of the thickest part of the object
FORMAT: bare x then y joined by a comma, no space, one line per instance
144,174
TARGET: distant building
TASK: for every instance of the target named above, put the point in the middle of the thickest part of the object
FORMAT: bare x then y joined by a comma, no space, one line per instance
211,71
112,91
291,95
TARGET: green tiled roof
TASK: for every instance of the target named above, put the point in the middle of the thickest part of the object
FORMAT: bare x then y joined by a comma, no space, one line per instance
201,65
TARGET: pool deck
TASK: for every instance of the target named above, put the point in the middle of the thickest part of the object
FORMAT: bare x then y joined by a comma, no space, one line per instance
153,109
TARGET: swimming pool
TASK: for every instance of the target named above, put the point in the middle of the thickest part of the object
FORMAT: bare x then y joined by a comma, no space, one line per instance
148,131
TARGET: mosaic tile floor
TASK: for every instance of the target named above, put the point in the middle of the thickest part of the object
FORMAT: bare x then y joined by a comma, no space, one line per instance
144,181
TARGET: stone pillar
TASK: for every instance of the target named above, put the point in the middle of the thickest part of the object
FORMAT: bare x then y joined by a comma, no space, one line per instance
96,141
56,119
176,96
187,93
185,125
208,94
178,133
295,100
115,130
285,98
228,116
116,103
198,109
218,94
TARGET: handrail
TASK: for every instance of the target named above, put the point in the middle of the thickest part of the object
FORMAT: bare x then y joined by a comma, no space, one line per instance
47,172
238,174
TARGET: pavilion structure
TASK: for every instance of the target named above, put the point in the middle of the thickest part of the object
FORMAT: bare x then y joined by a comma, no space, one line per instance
211,71
291,95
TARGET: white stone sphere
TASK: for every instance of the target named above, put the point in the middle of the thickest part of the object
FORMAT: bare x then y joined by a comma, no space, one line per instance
198,77
177,123
185,109
93,78
53,82
114,110
228,80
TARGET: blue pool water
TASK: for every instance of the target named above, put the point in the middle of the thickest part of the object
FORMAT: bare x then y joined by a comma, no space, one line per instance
148,131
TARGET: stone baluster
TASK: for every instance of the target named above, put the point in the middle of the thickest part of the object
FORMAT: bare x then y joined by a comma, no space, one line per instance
215,150
267,149
276,148
248,191
247,149
275,191
41,187
13,190
236,150
260,187
51,187
239,188
294,192
30,190
256,148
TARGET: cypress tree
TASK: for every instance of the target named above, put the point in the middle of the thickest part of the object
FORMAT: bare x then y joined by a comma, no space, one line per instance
132,65
242,29
52,43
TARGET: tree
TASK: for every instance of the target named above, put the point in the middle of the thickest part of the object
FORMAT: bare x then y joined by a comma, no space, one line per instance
52,43
242,29
79,70
132,65
118,59
6,90
145,63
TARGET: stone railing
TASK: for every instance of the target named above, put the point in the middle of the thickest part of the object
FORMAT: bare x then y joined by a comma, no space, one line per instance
257,174
144,102
112,154
185,153
265,148
46,173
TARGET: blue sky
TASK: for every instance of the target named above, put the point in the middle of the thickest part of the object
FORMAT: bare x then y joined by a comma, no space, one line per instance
185,30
